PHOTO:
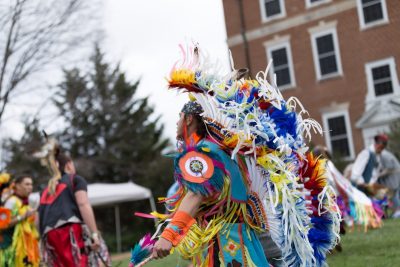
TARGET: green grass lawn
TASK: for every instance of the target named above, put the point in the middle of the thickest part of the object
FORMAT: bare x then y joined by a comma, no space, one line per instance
170,261
379,247
376,248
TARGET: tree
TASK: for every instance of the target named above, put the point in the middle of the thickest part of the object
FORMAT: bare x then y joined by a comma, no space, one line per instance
35,34
20,151
109,132
112,136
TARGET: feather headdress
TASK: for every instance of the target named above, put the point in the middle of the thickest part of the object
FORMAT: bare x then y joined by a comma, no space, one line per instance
47,155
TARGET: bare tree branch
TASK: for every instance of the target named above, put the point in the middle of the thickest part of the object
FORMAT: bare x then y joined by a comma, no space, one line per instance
37,34
8,47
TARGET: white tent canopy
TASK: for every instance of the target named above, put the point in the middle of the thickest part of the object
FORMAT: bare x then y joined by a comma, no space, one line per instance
105,194
102,194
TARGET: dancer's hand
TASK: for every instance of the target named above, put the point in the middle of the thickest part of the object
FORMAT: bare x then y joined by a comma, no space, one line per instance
95,242
30,214
162,248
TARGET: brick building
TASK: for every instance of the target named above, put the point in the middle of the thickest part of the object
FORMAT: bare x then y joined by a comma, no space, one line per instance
339,57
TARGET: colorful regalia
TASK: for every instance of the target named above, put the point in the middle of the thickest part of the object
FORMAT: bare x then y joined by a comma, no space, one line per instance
19,243
357,208
252,169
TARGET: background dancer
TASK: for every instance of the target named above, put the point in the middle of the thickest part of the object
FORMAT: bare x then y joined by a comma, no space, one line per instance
19,244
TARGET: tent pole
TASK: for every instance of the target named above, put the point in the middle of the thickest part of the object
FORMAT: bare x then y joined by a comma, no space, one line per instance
117,228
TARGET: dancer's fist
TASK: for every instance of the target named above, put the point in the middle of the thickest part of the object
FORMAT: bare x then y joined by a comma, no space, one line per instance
162,248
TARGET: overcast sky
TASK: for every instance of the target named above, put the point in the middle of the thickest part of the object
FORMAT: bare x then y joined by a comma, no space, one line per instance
144,36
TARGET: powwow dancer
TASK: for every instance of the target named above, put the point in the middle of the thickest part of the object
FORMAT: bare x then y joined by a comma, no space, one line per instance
67,223
19,238
243,168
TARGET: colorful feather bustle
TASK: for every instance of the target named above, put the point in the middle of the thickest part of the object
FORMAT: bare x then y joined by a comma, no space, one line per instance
325,216
265,135
142,250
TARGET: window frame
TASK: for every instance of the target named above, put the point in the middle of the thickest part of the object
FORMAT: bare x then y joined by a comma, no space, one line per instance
314,36
334,114
264,17
311,5
361,17
283,44
390,61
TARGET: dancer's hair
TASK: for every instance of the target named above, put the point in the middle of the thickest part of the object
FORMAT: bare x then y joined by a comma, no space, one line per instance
20,178
62,160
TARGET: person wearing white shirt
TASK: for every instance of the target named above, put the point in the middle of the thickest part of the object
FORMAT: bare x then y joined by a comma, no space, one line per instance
367,161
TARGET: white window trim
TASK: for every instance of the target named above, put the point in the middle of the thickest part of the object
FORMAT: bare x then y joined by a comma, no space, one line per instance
364,26
311,5
328,115
274,45
314,35
264,17
370,82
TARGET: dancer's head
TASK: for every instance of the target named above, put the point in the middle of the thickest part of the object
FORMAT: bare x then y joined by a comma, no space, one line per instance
23,185
65,163
381,141
190,121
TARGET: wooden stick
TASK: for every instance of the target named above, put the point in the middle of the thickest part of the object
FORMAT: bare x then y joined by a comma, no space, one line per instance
145,261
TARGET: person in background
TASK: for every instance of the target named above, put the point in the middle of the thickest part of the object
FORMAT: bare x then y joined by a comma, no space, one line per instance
389,176
64,209
19,243
367,162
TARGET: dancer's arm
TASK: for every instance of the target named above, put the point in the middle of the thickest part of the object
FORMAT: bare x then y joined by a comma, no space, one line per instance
87,215
189,205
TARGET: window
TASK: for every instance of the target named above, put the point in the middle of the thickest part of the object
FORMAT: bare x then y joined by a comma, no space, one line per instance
381,78
282,64
326,54
338,134
272,9
372,12
313,3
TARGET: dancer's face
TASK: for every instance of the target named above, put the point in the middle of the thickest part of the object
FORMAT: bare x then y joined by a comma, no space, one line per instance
70,167
379,147
24,188
179,126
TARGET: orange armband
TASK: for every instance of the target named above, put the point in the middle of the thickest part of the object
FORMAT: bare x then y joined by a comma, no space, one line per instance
178,227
